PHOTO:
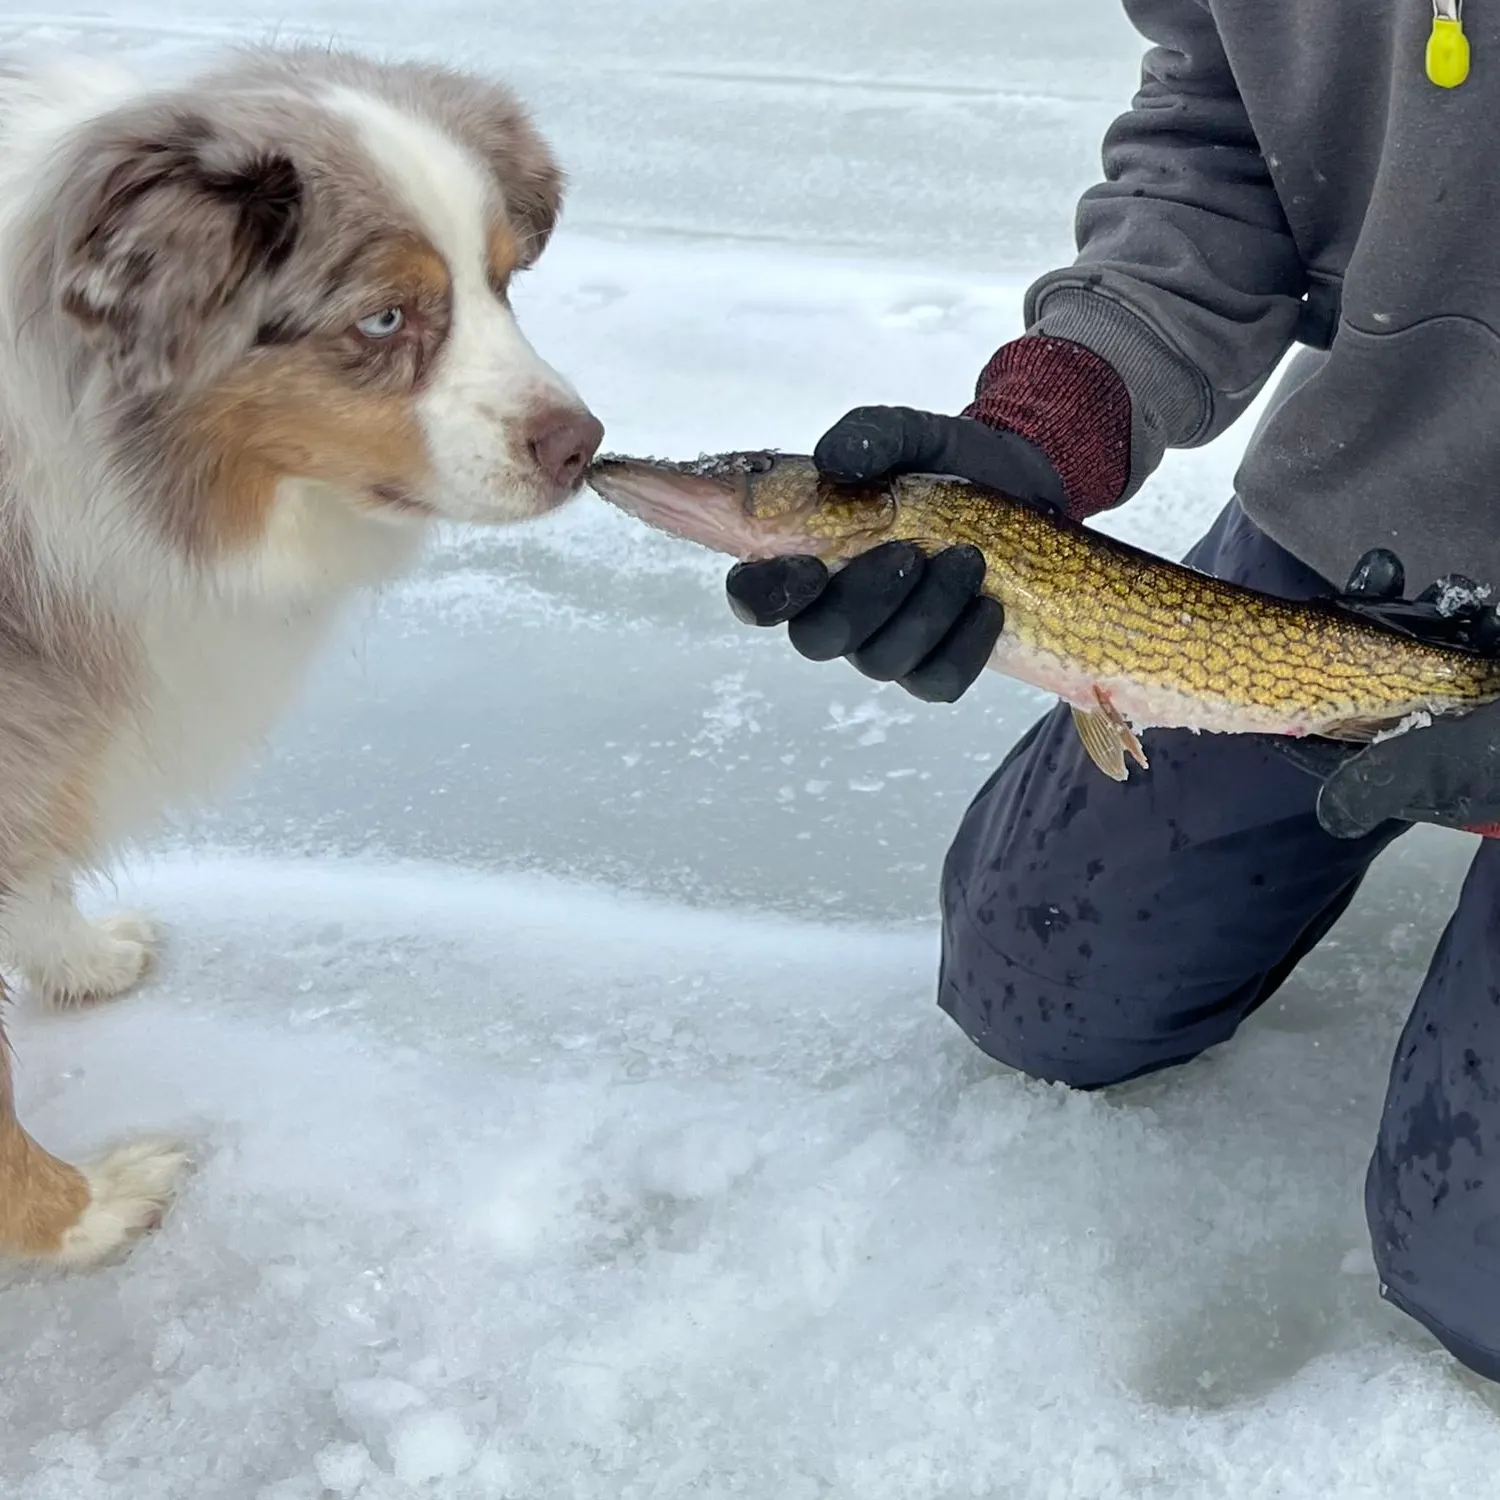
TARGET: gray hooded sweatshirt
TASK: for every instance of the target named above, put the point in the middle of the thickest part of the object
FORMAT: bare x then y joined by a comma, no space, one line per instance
1288,173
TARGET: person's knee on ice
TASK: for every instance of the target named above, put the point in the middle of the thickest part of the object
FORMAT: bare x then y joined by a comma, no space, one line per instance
1095,932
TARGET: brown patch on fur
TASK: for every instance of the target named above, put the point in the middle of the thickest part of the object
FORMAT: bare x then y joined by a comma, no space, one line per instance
291,413
404,266
503,255
41,1197
323,403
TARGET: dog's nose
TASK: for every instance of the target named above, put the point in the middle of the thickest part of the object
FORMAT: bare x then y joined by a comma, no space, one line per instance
563,441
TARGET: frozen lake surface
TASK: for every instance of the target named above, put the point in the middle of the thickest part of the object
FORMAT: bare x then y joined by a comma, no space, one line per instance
552,1007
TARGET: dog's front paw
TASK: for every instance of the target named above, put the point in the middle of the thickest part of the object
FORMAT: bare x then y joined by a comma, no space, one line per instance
129,1190
99,961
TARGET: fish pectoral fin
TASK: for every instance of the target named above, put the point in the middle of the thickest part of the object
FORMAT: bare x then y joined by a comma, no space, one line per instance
1128,740
1101,737
1107,737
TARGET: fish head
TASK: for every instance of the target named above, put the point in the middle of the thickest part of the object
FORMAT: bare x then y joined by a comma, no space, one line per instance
748,505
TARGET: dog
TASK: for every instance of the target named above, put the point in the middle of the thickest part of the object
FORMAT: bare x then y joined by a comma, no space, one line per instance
255,341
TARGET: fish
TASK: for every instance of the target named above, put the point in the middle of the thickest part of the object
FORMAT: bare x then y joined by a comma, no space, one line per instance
1128,640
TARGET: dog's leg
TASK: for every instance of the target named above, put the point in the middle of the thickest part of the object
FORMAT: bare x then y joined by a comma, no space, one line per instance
70,1215
70,960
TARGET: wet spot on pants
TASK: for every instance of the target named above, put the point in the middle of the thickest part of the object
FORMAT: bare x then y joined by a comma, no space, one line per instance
1044,921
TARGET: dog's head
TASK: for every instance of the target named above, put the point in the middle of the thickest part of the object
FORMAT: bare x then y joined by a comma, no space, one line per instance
294,277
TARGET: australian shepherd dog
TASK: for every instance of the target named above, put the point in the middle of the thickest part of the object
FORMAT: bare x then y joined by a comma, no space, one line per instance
255,340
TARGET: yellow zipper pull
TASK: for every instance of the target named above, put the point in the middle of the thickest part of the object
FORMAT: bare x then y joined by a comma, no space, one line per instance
1447,46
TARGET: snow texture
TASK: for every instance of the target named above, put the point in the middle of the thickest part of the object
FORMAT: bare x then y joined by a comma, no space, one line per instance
1420,719
551,1011
1458,596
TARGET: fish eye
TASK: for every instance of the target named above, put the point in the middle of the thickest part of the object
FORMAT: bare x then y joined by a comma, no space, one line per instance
383,324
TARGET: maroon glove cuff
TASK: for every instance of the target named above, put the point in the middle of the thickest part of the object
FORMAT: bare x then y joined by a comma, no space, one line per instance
1067,401
1485,830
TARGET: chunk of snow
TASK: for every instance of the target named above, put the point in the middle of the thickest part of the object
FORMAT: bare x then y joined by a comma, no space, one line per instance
431,1445
344,1467
1454,597
1419,719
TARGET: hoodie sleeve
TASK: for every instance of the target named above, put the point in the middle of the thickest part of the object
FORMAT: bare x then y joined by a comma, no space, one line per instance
1187,280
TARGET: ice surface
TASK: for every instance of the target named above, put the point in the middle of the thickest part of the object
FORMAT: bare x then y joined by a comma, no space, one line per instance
552,1011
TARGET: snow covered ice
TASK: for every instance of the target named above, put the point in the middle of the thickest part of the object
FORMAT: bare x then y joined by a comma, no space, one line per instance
552,1009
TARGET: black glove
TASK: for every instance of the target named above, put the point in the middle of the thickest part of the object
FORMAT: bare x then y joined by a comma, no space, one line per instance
896,615
1447,773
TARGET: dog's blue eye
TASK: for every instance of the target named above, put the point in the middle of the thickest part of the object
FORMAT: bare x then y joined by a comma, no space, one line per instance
383,324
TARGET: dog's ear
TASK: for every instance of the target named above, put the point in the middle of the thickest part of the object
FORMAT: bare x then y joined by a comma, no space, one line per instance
533,192
527,172
168,232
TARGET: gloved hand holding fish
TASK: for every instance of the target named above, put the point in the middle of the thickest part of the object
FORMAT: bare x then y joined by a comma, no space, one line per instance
1129,640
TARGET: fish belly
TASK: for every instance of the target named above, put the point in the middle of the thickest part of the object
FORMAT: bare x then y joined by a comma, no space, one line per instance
1143,704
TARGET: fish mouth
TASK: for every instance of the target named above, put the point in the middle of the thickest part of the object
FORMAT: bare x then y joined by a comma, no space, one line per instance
704,500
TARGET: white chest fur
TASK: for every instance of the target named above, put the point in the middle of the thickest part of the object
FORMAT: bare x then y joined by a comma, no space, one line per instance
216,666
